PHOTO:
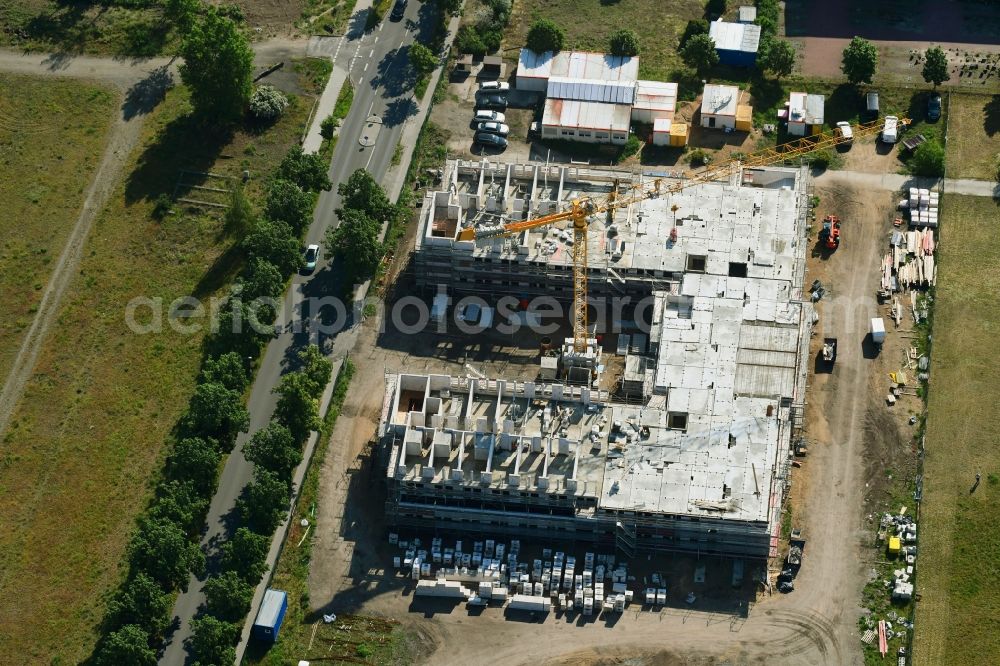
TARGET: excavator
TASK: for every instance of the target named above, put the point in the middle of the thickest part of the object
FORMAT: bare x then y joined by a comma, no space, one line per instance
579,210
829,235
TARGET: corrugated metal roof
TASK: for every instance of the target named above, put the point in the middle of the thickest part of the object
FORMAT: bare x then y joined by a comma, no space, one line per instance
269,608
719,100
748,14
591,90
578,65
571,113
735,36
656,96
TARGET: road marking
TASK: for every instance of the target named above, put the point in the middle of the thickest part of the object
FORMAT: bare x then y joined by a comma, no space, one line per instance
370,108
401,43
366,68
371,54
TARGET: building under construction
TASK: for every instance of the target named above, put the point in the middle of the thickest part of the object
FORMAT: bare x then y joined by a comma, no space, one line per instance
690,452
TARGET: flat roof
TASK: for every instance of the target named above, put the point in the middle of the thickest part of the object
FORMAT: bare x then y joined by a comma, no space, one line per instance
586,115
270,608
656,96
720,100
748,14
735,36
577,65
806,108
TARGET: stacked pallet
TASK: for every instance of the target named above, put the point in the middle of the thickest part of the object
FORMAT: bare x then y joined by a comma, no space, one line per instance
923,207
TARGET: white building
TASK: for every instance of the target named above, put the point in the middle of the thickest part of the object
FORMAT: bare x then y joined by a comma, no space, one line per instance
654,100
805,113
535,69
718,106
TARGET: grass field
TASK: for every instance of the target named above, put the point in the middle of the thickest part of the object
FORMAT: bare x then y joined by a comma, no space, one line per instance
87,438
959,540
52,136
973,136
589,23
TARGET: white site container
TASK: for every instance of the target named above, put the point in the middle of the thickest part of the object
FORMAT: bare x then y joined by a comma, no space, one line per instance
878,330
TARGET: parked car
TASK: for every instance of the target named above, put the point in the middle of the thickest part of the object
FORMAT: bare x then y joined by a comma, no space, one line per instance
845,131
934,107
871,105
398,10
493,101
494,128
492,140
499,86
485,115
312,257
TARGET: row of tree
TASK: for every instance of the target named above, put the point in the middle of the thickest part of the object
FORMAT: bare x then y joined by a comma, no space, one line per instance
275,452
355,241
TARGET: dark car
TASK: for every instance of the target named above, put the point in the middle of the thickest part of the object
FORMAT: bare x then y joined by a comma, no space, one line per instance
492,102
934,107
488,139
398,10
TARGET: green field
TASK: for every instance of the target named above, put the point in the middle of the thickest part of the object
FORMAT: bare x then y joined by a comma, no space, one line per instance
959,539
973,136
52,137
87,437
589,23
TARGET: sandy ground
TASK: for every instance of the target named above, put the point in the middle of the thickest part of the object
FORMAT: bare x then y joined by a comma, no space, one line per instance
847,425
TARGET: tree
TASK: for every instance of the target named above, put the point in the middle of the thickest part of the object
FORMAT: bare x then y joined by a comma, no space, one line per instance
217,68
356,243
196,461
308,171
240,329
162,549
287,202
265,501
267,103
180,503
778,58
228,596
928,160
694,27
935,66
450,6
213,640
246,554
262,280
715,8
276,243
699,53
129,645
859,61
297,408
362,192
624,42
229,369
422,58
182,13
217,412
316,367
141,601
544,35
274,448
240,215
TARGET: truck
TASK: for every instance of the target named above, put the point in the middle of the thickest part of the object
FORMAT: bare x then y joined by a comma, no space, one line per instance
877,331
270,616
890,130
829,350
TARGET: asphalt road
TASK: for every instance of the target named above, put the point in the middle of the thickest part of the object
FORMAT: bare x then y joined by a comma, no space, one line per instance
377,66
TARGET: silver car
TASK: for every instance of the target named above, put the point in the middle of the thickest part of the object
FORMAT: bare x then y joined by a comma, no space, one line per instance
494,128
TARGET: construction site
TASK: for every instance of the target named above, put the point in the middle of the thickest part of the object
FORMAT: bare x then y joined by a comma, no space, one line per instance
682,444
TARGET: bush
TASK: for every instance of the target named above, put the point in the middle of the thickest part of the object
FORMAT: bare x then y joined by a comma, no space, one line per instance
624,43
928,160
699,54
267,103
631,147
715,8
768,15
162,206
694,27
699,157
821,159
545,35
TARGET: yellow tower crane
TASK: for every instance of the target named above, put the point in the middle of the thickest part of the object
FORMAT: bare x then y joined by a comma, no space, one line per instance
579,210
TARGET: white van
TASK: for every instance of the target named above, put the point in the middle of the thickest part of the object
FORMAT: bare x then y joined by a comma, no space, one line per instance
890,131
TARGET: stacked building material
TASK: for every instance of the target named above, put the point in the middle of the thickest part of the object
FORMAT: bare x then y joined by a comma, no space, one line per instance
923,206
909,264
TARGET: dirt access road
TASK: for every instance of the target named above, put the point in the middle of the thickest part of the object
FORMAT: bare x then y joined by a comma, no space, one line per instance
816,624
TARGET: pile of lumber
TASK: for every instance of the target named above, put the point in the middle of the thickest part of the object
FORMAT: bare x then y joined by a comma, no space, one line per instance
909,264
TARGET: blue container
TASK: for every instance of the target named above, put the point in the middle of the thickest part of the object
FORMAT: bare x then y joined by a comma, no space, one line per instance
270,616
